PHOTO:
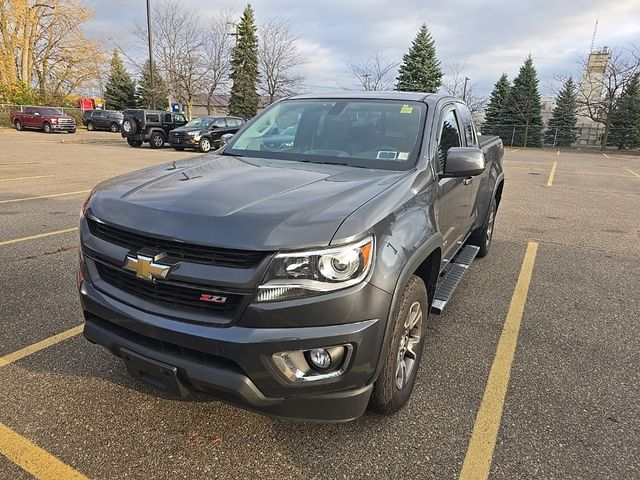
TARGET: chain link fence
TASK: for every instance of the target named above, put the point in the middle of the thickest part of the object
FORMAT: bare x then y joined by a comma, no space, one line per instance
585,135
6,109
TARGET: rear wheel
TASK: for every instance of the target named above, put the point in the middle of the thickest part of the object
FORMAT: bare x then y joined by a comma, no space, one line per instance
205,145
482,236
18,125
156,140
395,383
134,143
90,126
114,127
46,127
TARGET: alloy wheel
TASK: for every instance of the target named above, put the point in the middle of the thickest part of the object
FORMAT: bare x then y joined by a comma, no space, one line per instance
407,354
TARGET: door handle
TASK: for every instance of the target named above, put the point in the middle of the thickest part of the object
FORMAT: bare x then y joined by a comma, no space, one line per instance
468,180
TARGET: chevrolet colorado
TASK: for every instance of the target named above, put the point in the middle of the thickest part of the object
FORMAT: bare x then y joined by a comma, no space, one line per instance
295,280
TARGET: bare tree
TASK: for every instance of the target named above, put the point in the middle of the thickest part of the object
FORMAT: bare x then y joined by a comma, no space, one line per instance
218,43
279,58
456,83
604,79
373,72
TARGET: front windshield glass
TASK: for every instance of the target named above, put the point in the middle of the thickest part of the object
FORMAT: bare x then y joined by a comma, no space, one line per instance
364,133
201,122
50,111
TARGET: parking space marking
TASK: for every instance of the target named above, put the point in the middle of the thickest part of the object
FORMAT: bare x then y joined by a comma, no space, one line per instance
40,235
33,459
607,156
477,461
24,178
41,345
552,174
631,171
18,163
13,200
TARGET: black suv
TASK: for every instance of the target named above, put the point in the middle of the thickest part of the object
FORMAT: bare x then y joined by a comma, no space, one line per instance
102,120
204,133
151,126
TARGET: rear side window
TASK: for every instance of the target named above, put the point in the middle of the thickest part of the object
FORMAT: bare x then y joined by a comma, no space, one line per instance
153,117
449,136
219,123
467,126
234,122
167,118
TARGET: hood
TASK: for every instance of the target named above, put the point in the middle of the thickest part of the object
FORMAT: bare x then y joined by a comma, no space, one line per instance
184,129
238,202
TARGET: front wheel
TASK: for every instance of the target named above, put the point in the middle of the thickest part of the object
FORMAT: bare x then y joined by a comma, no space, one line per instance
134,143
483,235
114,127
156,140
395,383
205,145
46,127
90,127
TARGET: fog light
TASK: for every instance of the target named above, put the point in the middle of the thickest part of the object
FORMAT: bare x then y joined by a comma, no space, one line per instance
320,358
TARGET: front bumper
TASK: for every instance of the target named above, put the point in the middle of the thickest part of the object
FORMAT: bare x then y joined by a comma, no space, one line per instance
63,128
234,363
183,141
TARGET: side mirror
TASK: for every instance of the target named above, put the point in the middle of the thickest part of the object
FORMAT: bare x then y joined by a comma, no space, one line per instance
224,139
464,162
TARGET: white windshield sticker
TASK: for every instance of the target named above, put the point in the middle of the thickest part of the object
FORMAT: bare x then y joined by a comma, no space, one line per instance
386,155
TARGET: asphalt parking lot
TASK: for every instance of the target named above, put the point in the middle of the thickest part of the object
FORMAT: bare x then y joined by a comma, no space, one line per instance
572,406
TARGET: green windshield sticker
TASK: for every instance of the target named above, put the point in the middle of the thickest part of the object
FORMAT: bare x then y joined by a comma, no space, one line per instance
406,109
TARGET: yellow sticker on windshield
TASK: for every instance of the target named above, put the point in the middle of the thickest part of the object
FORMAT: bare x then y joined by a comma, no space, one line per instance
406,109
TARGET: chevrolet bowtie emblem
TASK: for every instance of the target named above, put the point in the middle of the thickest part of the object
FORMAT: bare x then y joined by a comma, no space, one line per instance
146,267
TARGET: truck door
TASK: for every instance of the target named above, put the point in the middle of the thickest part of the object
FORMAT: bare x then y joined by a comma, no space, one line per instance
28,117
473,184
452,211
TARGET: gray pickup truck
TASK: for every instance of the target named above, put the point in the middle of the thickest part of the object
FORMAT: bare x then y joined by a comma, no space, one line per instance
292,271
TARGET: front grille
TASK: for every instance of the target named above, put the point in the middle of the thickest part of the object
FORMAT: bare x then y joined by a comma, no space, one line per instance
178,250
180,135
65,121
170,294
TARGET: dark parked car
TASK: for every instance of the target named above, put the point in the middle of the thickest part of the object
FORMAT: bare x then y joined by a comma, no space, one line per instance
153,126
204,133
48,119
294,281
102,120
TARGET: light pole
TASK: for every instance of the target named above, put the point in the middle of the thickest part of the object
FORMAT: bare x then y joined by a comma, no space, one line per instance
152,85
464,91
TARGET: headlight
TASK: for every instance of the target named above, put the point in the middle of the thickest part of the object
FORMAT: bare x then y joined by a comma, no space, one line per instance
301,274
54,120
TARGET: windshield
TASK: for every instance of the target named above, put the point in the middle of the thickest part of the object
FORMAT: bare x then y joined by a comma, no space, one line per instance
50,111
364,133
201,122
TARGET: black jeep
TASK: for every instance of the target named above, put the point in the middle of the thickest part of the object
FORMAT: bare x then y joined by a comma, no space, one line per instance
151,126
204,133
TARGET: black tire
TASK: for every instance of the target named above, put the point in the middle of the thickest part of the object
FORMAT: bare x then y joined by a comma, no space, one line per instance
46,126
129,126
483,235
18,125
134,143
72,131
388,396
179,149
205,145
114,127
90,126
156,140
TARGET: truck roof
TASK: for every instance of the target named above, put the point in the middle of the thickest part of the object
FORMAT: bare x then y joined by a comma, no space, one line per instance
379,95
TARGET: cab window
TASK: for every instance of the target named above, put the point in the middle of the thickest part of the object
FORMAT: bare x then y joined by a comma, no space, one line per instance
449,136
467,126
167,118
153,118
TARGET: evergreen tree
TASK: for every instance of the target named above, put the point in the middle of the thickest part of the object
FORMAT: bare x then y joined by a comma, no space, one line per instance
244,68
523,107
120,90
625,120
420,69
151,95
561,129
494,117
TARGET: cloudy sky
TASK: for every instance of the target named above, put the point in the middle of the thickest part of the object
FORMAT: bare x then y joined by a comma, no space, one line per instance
487,37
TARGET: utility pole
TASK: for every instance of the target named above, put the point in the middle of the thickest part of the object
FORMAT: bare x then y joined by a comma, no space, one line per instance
464,90
153,89
366,81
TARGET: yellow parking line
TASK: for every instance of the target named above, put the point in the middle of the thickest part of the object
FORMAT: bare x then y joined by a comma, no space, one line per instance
477,461
40,235
33,459
41,345
551,174
24,178
631,171
44,196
